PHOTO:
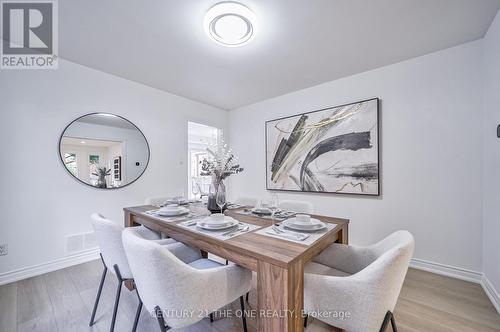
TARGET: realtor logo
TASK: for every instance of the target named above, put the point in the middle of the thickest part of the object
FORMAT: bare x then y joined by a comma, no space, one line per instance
29,35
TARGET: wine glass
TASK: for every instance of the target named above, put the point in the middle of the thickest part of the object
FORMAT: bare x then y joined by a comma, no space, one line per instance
194,189
180,196
220,197
273,205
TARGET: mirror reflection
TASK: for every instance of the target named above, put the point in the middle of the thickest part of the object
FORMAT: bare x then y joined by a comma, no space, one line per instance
104,150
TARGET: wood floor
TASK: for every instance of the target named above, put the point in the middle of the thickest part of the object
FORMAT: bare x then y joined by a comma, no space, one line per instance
62,301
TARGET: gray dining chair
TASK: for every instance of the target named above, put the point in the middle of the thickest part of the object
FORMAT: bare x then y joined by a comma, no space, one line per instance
297,206
167,284
113,257
247,201
362,281
156,200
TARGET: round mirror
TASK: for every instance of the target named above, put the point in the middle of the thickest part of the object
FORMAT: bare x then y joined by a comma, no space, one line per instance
104,150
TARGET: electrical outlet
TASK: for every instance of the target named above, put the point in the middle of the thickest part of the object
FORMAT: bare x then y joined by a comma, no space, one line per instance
4,249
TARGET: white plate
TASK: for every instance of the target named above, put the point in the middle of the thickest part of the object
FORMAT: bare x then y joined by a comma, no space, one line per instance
174,201
313,225
176,212
218,221
208,224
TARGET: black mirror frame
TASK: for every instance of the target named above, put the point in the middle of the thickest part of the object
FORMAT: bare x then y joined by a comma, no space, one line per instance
88,184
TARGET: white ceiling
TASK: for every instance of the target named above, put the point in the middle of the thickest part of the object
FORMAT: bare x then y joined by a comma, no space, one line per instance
88,142
105,119
301,43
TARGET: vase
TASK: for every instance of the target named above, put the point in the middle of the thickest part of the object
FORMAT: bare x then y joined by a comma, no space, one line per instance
212,196
101,183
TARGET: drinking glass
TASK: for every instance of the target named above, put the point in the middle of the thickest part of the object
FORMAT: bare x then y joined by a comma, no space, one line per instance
180,197
194,189
220,197
273,205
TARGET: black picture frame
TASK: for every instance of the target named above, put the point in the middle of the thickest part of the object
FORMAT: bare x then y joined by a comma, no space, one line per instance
117,168
328,192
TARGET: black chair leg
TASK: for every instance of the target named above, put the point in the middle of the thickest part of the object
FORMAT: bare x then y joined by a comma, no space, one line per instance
137,314
98,296
117,299
161,321
386,321
246,296
305,321
393,323
243,316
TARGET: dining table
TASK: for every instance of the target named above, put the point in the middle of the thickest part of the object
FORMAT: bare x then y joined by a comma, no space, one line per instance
278,263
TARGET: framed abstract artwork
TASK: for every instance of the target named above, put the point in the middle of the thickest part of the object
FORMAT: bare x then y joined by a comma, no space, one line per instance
332,150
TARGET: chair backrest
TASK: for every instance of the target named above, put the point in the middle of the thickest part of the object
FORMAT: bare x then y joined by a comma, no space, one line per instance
386,273
109,237
161,278
247,201
297,206
156,200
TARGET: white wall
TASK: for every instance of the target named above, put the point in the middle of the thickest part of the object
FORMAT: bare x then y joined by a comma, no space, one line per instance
430,141
41,204
491,179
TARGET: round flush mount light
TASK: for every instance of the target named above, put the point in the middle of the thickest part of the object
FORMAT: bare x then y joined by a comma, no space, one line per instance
230,23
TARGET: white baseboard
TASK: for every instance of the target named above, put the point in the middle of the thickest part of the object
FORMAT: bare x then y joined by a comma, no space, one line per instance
491,292
447,270
462,274
61,263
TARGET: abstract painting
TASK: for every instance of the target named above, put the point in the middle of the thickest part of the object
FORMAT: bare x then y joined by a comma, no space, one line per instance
333,150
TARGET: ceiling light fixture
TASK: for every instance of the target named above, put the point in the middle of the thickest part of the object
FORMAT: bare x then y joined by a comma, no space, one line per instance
230,23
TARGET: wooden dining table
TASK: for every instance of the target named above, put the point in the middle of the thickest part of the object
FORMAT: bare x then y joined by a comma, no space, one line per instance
279,263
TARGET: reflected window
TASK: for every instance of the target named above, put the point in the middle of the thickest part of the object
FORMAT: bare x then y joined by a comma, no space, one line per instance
71,163
93,165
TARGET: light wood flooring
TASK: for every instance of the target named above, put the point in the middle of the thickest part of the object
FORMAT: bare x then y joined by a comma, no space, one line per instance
62,301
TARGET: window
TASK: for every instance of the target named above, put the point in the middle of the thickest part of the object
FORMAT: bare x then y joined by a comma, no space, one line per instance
200,137
71,163
93,165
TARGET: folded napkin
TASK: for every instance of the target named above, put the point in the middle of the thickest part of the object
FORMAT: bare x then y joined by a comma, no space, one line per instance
288,235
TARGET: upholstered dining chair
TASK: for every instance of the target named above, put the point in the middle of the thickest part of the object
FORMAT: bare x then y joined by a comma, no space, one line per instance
247,201
109,237
297,206
156,200
169,286
363,282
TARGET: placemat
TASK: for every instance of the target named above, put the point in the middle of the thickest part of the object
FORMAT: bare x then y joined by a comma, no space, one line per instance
280,216
155,215
312,236
220,235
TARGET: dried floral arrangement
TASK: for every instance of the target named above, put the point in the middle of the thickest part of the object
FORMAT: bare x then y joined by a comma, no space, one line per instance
222,163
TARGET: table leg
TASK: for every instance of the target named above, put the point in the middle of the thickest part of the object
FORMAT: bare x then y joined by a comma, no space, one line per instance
344,235
280,293
128,222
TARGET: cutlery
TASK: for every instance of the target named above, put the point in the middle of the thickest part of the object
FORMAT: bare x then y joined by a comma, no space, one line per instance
289,236
228,233
298,236
276,229
190,223
242,230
